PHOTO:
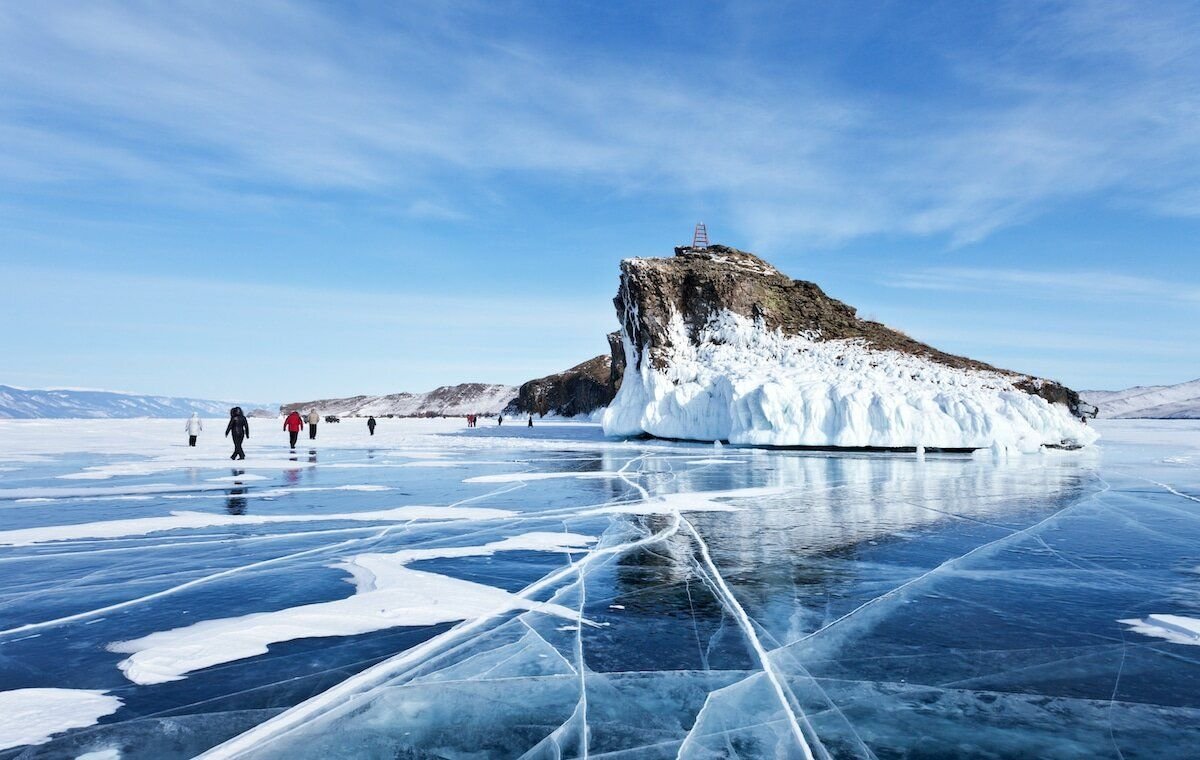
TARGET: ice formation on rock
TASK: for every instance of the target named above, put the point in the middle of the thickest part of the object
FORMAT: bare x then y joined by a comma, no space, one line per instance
743,383
721,346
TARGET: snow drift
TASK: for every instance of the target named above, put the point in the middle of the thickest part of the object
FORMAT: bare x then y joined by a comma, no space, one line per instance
705,362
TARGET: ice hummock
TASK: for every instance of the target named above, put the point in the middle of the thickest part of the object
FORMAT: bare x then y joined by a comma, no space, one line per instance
740,382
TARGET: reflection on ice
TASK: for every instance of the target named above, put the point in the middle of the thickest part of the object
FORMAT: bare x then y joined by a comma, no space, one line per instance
630,599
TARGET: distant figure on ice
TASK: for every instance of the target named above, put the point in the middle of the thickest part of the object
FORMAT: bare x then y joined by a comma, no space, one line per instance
531,420
313,419
499,419
239,428
292,425
193,427
371,425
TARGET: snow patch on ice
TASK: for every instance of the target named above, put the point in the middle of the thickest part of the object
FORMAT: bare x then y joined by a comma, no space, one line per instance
387,594
191,520
1177,629
741,382
32,716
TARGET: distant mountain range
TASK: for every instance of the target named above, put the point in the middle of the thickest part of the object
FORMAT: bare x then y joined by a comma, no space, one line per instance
1164,402
19,403
449,400
1180,401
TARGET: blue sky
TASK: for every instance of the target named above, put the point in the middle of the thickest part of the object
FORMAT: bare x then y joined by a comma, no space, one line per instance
295,200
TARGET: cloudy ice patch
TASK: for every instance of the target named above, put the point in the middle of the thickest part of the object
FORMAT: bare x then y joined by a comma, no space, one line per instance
192,520
387,594
516,477
159,465
700,501
101,492
32,716
1177,629
269,493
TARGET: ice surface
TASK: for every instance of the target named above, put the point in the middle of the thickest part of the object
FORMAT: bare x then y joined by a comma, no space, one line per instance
675,601
742,383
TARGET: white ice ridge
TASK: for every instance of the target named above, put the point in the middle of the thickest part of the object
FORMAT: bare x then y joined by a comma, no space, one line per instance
1177,629
180,520
32,716
387,594
746,384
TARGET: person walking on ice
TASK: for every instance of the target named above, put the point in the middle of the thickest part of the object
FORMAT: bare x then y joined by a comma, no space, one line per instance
313,419
193,427
292,425
371,425
239,428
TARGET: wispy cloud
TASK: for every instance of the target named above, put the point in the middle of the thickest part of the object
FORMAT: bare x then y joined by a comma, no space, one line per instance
1076,285
288,99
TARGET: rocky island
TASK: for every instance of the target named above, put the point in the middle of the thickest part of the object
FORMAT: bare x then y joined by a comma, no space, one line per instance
720,345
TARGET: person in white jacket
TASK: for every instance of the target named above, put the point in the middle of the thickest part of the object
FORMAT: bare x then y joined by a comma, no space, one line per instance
313,419
193,428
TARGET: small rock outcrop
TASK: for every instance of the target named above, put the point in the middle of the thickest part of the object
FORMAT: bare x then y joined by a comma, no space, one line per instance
580,390
722,345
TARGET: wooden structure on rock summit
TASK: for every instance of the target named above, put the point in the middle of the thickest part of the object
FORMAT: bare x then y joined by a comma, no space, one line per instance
700,237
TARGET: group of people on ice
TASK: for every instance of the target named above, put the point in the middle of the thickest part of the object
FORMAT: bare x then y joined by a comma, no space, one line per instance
239,427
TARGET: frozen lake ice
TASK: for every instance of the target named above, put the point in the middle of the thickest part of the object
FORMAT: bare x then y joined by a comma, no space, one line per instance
438,592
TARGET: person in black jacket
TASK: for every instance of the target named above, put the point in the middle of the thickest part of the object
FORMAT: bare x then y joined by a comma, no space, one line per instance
239,428
371,425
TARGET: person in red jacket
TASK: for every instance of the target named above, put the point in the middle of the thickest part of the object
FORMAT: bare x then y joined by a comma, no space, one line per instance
293,424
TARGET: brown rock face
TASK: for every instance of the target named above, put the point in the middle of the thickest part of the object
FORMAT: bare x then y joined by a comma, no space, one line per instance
698,284
582,389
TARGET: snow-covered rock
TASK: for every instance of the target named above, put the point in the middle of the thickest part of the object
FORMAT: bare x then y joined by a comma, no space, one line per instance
721,346
449,401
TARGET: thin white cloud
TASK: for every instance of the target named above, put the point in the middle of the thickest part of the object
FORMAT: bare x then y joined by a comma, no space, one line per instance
430,103
1074,285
